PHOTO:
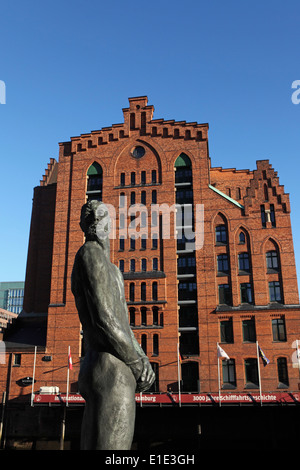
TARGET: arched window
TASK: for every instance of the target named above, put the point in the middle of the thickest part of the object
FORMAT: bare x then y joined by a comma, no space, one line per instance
144,343
132,316
132,265
143,291
144,316
131,291
155,316
122,201
183,169
242,238
155,264
143,264
154,291
155,345
154,196
94,182
121,265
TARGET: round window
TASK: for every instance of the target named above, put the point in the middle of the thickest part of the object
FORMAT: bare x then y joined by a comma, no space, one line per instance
138,152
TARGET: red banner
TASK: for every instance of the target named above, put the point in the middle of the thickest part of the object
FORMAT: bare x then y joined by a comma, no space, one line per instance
185,398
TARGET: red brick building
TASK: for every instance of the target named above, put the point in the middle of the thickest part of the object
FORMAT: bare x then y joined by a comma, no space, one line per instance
236,285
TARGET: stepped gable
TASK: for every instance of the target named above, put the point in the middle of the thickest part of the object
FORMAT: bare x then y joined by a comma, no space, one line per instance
50,175
265,188
138,120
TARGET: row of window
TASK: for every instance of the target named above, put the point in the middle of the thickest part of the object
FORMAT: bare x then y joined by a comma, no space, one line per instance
143,243
249,330
244,262
246,293
148,318
143,291
143,265
251,373
133,199
155,344
143,178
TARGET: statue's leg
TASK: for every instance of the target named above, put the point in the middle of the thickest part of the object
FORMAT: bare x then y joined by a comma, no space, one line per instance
109,416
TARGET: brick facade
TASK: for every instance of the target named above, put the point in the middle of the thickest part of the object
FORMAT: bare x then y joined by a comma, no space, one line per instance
254,213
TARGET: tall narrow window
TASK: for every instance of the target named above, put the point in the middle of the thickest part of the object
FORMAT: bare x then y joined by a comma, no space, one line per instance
132,316
154,291
155,264
121,243
143,177
155,316
132,178
154,196
242,238
153,177
249,332
263,216
154,241
132,265
122,179
251,373
155,345
228,372
121,265
272,215
122,201
226,331
224,294
144,316
143,291
144,241
132,243
132,120
282,369
143,198
144,264
144,343
132,198
94,182
222,261
131,291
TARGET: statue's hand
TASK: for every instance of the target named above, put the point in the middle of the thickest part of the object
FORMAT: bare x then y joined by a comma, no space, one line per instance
147,376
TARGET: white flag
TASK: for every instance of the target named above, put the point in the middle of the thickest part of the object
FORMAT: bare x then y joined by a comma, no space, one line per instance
222,353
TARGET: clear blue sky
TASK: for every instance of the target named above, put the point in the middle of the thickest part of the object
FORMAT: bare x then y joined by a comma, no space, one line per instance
70,66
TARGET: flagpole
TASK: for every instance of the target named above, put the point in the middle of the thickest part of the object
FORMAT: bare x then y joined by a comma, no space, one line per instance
33,376
258,368
178,367
219,380
68,375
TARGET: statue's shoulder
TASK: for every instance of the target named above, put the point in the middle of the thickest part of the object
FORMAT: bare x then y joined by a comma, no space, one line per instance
89,252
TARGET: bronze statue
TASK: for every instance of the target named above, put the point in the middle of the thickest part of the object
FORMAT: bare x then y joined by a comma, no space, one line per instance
114,365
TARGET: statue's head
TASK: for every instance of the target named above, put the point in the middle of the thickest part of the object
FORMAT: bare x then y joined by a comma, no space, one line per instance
95,221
